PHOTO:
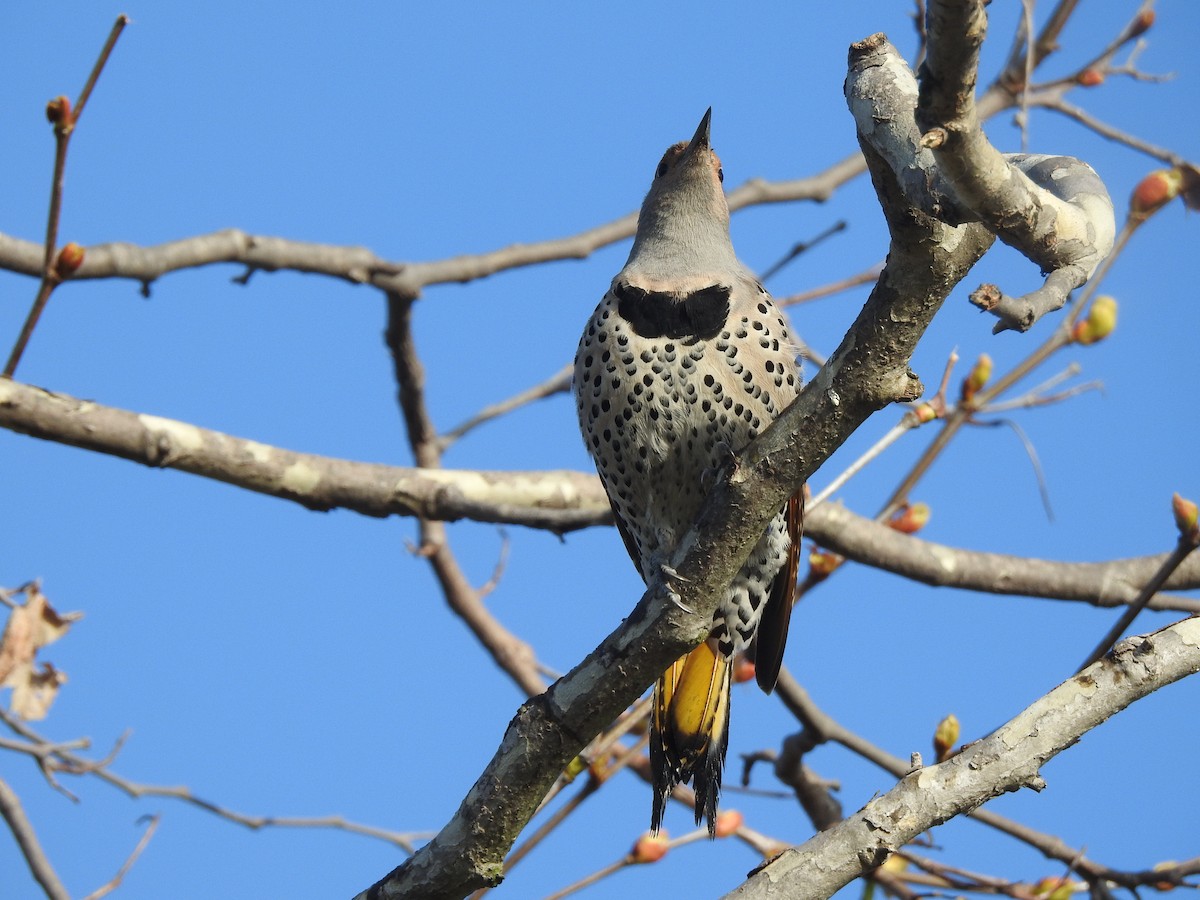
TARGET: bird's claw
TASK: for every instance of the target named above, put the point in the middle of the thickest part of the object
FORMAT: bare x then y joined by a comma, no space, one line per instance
670,576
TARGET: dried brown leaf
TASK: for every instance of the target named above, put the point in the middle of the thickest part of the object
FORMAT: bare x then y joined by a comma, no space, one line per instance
30,627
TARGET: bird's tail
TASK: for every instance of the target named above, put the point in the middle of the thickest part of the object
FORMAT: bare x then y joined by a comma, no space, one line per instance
690,730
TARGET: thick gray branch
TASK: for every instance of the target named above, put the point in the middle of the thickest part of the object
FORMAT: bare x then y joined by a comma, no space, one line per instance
557,501
1007,760
1102,584
1053,209
554,500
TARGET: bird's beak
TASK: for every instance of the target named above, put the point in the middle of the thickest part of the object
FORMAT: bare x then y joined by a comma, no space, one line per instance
699,140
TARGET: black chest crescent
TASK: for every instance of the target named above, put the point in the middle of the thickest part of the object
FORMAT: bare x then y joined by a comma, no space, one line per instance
699,316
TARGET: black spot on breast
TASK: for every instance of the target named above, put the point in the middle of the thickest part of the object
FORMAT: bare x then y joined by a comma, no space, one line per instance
699,315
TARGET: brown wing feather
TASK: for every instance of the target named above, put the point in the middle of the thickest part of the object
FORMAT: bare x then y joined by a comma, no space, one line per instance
773,627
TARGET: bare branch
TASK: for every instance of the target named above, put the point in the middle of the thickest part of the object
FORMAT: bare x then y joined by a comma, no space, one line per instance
556,501
1052,100
359,265
820,727
115,882
511,653
558,383
55,270
1055,210
1105,584
21,828
55,756
867,276
1007,760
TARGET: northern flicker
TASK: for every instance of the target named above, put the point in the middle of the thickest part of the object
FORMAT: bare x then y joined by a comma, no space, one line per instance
685,360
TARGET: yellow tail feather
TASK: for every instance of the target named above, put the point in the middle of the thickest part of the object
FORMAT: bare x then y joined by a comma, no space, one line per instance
691,730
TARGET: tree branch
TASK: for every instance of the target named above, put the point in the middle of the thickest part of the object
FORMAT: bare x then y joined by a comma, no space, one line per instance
512,654
558,501
1102,584
22,830
1053,209
1007,760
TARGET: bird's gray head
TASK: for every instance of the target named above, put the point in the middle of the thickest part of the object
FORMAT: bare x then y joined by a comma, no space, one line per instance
683,227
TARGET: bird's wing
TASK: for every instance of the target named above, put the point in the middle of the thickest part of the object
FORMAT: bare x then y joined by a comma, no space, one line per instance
773,626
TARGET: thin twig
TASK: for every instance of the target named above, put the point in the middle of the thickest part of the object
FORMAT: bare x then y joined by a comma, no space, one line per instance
867,276
115,882
1030,451
1033,401
801,247
907,423
1187,543
498,571
64,126
105,52
58,759
598,875
1047,42
558,383
893,434
1052,101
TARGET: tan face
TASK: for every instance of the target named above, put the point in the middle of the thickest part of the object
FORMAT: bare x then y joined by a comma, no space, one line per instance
674,153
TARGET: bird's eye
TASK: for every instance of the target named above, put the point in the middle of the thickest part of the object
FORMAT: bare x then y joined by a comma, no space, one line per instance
720,175
662,169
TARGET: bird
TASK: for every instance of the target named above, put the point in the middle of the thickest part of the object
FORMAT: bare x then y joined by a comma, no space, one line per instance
683,362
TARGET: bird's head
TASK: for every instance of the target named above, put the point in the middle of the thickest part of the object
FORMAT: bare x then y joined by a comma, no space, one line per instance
683,226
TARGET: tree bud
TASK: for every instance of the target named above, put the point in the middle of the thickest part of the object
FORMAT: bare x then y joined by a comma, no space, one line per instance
822,563
1185,517
1154,192
58,111
727,823
979,375
1141,23
1099,324
945,736
910,518
650,847
743,669
69,259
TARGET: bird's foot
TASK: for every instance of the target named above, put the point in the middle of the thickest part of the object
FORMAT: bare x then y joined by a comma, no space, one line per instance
671,577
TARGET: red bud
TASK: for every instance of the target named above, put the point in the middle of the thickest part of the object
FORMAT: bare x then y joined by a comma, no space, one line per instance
822,563
69,259
1154,192
650,847
1141,23
58,111
910,518
743,669
727,823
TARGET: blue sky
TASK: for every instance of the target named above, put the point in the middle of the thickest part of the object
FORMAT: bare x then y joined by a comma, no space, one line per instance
285,662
